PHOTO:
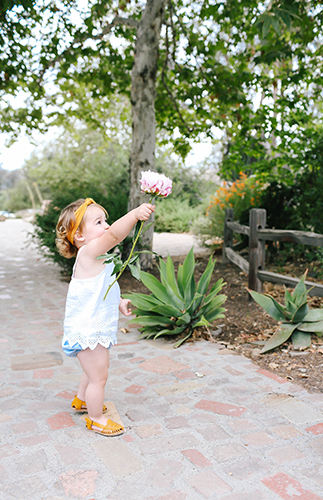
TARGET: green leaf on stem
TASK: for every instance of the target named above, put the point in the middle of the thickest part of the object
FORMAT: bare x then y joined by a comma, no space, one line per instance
146,227
135,270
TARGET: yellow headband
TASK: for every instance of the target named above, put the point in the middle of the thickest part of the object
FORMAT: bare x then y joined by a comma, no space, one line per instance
79,214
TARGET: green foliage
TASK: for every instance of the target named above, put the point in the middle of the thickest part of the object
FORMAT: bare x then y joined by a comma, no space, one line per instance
177,306
15,198
175,216
241,195
297,321
230,52
191,184
68,169
296,206
13,191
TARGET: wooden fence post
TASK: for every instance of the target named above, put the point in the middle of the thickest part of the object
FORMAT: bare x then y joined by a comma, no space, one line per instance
228,234
257,220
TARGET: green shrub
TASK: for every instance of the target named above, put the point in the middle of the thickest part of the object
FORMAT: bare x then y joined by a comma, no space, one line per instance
175,216
91,168
177,306
45,225
299,207
241,195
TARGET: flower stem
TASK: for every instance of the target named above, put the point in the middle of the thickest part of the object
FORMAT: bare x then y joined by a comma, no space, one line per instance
130,255
127,261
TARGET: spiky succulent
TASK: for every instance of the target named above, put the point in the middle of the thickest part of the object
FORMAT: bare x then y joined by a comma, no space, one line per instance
297,321
177,305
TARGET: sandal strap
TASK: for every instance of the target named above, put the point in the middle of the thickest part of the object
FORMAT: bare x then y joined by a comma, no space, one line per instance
109,426
78,403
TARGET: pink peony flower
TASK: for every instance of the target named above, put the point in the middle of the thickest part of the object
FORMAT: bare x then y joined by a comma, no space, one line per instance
155,184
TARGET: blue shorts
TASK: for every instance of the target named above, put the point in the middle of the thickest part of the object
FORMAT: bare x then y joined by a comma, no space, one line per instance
74,350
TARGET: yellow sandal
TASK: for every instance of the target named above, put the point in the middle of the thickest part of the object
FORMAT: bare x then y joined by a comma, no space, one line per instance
79,405
110,429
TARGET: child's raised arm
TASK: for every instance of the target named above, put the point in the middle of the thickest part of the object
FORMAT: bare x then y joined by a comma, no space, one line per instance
119,230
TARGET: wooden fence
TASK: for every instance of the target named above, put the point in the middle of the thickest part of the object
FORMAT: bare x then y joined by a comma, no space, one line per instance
258,235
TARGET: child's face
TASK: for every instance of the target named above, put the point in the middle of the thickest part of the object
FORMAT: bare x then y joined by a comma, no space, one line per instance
95,223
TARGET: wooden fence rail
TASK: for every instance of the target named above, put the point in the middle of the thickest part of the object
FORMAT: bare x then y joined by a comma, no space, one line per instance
258,235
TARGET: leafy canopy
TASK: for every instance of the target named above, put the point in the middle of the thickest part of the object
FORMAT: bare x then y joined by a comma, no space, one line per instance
215,59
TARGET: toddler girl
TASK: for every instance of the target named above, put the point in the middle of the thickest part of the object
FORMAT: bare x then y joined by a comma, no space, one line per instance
90,324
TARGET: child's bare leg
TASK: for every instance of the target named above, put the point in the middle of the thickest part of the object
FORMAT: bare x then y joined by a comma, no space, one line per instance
95,365
82,387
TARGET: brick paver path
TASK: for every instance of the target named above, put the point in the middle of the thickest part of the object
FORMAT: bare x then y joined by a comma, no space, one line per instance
235,433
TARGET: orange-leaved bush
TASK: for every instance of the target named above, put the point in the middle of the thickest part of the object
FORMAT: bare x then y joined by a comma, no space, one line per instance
241,195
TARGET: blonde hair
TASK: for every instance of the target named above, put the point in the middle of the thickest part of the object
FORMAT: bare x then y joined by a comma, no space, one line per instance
64,226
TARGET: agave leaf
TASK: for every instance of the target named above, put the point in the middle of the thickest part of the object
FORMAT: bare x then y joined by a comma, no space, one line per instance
176,331
142,301
212,302
174,299
300,289
288,297
145,335
151,321
187,278
301,340
311,327
192,306
171,279
269,304
314,315
206,277
280,336
166,310
162,271
188,267
169,285
202,321
300,314
181,341
189,291
213,293
204,282
217,286
184,319
140,312
215,314
155,286
290,306
180,279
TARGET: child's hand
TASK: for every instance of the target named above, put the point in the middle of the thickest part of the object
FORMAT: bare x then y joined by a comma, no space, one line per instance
124,307
144,211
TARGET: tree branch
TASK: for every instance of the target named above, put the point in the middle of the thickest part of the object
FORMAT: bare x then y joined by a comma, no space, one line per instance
118,20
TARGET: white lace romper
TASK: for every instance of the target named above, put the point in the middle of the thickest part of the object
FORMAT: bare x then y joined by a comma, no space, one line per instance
90,320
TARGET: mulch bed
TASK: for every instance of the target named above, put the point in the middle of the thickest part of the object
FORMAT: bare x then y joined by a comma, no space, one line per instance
247,326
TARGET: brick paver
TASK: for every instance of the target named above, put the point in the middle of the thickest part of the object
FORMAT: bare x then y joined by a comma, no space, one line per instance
201,422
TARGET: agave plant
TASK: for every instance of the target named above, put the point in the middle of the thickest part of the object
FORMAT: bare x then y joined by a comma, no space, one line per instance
177,305
298,322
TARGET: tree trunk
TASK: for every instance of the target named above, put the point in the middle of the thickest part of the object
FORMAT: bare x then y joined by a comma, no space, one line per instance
143,83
